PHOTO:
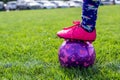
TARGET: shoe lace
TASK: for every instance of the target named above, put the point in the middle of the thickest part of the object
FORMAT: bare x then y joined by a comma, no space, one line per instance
76,23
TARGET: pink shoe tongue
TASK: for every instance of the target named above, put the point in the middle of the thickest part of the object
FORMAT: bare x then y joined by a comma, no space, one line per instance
76,22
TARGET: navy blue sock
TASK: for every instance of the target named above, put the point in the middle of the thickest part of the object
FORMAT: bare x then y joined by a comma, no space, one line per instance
89,14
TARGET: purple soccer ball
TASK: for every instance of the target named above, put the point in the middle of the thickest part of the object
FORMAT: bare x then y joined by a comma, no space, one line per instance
76,53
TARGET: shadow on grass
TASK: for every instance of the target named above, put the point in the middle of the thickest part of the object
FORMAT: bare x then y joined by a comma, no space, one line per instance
78,73
99,71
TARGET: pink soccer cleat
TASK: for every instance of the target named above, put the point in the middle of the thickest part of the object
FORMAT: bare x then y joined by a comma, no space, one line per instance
77,32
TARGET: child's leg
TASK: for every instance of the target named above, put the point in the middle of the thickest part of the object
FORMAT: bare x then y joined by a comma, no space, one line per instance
86,30
89,14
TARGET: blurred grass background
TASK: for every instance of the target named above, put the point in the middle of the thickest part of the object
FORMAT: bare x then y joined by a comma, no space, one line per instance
29,45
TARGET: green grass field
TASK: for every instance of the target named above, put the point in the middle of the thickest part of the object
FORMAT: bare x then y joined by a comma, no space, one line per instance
29,45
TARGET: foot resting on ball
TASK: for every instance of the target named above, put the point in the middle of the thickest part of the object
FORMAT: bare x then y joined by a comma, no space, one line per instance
77,32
